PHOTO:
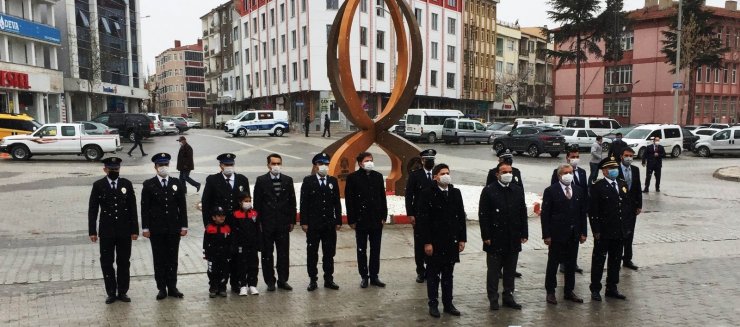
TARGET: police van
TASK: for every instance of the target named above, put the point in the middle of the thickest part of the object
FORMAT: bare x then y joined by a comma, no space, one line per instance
259,122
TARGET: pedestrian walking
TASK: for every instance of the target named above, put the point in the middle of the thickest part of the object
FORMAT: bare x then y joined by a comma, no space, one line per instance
419,180
617,146
607,208
217,246
274,199
653,158
367,210
503,223
114,198
164,220
442,230
321,218
185,164
137,131
573,158
247,239
307,124
327,126
563,217
597,154
631,175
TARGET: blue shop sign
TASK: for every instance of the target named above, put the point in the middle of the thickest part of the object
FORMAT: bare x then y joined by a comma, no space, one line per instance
28,29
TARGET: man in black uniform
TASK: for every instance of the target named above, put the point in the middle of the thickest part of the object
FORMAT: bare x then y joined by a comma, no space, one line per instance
164,219
573,158
321,218
137,139
653,157
222,189
616,148
503,225
119,225
419,180
367,210
631,175
274,200
608,206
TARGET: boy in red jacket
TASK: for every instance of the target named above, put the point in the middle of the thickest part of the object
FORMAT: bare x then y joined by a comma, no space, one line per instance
246,239
217,244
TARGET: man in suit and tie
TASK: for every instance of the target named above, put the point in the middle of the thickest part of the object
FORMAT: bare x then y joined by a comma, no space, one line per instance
563,216
164,219
573,158
113,197
419,180
653,157
631,175
222,189
321,218
506,156
274,200
615,150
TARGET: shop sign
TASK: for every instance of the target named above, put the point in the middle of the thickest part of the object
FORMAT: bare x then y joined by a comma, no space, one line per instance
14,80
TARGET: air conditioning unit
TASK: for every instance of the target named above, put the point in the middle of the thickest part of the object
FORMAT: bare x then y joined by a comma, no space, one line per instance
607,89
622,88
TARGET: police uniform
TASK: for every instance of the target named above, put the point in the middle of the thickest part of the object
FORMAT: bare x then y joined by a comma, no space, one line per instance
115,200
321,213
217,246
607,215
222,191
419,180
505,155
164,215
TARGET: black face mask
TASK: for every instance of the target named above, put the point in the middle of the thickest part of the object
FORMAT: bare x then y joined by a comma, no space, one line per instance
113,175
428,164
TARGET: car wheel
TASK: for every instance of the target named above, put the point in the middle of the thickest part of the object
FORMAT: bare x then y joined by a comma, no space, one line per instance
498,146
676,152
92,153
278,132
241,132
431,138
533,151
20,152
554,154
641,153
460,140
704,152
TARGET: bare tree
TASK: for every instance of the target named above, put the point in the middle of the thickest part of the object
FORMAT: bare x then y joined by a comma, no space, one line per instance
513,83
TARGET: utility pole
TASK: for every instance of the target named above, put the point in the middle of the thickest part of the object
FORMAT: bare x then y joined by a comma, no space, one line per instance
676,91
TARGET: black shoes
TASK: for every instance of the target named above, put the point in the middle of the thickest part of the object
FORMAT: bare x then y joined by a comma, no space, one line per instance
494,306
377,282
312,286
161,295
657,190
110,299
517,274
579,270
645,191
450,309
512,304
271,288
630,265
175,293
420,278
595,296
284,286
434,312
124,298
550,298
363,283
615,294
572,297
331,285
197,188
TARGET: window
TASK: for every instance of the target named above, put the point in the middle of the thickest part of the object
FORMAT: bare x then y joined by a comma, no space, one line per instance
284,73
257,79
248,81
303,5
698,74
293,39
68,131
734,73
272,17
292,8
282,12
328,33
451,29
433,78
451,53
305,35
363,36
509,68
295,71
254,25
450,80
499,66
274,75
363,68
716,75
380,44
264,22
273,47
332,4
238,83
452,3
380,68
264,49
246,56
235,34
499,46
305,68
434,50
618,75
246,30
672,133
256,52
615,108
380,8
363,5
418,15
726,74
628,40
434,21
510,45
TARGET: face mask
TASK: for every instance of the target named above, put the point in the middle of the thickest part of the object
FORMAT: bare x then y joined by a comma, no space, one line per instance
275,170
613,173
567,179
228,171
506,178
247,205
323,170
113,175
369,166
656,142
163,171
618,138
445,180
627,160
429,164
574,162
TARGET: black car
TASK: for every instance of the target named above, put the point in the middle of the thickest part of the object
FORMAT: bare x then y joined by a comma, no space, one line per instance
532,139
126,123
689,139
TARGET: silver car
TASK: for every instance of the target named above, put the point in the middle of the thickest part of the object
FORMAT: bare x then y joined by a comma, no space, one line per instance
726,141
93,128
462,130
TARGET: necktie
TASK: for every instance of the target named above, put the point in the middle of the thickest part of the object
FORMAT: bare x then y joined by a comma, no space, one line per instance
164,182
429,176
628,176
568,194
228,181
445,193
113,185
322,182
575,177
614,185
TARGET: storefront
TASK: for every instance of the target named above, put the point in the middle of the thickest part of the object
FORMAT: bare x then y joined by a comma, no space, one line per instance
33,91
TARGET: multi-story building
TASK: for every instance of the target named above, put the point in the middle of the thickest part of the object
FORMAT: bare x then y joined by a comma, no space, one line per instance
30,79
221,59
479,57
638,89
508,36
535,73
284,46
179,81
102,57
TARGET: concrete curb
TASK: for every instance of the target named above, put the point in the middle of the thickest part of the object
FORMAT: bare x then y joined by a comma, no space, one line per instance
731,174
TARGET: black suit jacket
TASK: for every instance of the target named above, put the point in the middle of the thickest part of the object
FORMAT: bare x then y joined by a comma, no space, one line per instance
364,196
417,182
616,148
163,210
276,213
514,171
503,217
441,222
650,157
635,196
218,193
117,208
563,219
582,180
608,208
321,207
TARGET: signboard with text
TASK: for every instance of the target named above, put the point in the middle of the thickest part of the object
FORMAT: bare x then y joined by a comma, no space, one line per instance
28,29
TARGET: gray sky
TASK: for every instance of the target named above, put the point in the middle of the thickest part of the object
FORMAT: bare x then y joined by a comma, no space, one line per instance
180,20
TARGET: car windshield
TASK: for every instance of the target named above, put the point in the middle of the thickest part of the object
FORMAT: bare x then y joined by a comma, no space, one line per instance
638,134
568,132
496,126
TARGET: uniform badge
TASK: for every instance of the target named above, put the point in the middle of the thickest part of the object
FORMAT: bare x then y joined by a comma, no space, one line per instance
516,179
123,190
174,187
241,188
624,189
331,186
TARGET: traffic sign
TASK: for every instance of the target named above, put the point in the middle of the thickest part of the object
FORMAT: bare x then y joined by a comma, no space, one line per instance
677,86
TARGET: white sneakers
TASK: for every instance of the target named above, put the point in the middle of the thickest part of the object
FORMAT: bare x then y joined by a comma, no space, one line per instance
253,290
243,291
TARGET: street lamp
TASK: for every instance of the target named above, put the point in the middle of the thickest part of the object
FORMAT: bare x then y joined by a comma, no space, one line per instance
678,62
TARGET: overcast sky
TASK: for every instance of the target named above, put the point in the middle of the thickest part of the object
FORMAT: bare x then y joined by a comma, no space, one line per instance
180,20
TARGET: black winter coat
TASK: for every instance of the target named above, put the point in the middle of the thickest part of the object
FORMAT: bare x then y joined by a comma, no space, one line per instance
321,207
364,197
117,208
563,219
440,221
163,211
503,217
218,193
217,242
608,209
418,181
276,212
245,230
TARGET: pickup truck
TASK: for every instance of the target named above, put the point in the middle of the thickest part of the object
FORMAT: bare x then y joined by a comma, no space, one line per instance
60,138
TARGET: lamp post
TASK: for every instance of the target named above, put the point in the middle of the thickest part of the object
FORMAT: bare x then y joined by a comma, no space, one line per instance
678,62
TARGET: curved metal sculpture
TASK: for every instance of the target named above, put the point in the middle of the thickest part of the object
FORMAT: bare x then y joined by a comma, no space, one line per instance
400,151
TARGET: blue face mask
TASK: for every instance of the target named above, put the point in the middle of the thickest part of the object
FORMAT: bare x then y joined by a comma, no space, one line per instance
613,173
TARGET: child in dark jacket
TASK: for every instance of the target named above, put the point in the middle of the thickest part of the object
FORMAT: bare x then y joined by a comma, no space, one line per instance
246,240
217,245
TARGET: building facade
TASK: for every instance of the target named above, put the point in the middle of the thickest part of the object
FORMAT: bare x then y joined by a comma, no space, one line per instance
508,36
223,84
30,79
180,82
638,89
535,73
479,57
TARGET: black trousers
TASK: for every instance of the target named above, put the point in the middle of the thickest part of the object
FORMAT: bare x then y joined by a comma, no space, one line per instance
247,263
650,172
362,237
137,143
328,238
165,248
218,273
306,128
116,249
280,242
185,178
327,130
564,253
627,242
419,254
495,262
434,271
602,249
594,173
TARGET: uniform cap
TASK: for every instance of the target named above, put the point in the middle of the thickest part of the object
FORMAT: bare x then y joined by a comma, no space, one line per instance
504,153
161,158
428,154
218,211
321,158
112,162
226,158
608,163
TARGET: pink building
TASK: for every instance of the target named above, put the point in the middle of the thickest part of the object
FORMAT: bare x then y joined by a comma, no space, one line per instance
638,89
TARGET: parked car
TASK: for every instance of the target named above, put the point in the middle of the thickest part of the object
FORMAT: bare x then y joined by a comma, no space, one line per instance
532,139
706,133
54,139
93,128
169,126
671,138
719,126
689,139
503,130
400,127
528,122
426,124
180,123
260,122
17,124
126,123
581,137
694,127
158,123
193,123
496,126
553,125
722,142
600,126
463,130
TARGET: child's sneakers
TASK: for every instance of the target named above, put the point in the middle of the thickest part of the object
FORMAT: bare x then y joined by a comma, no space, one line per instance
243,291
253,290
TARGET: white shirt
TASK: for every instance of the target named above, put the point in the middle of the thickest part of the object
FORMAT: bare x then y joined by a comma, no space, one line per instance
428,174
160,178
442,188
230,178
110,182
563,186
610,181
274,176
326,179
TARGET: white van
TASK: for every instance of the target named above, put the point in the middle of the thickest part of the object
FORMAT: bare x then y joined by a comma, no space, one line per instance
426,124
600,126
671,138
259,122
528,122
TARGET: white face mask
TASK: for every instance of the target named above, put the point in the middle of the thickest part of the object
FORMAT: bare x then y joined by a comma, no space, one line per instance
567,179
275,170
323,170
657,142
163,171
247,205
627,160
228,171
445,180
574,162
506,178
369,166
